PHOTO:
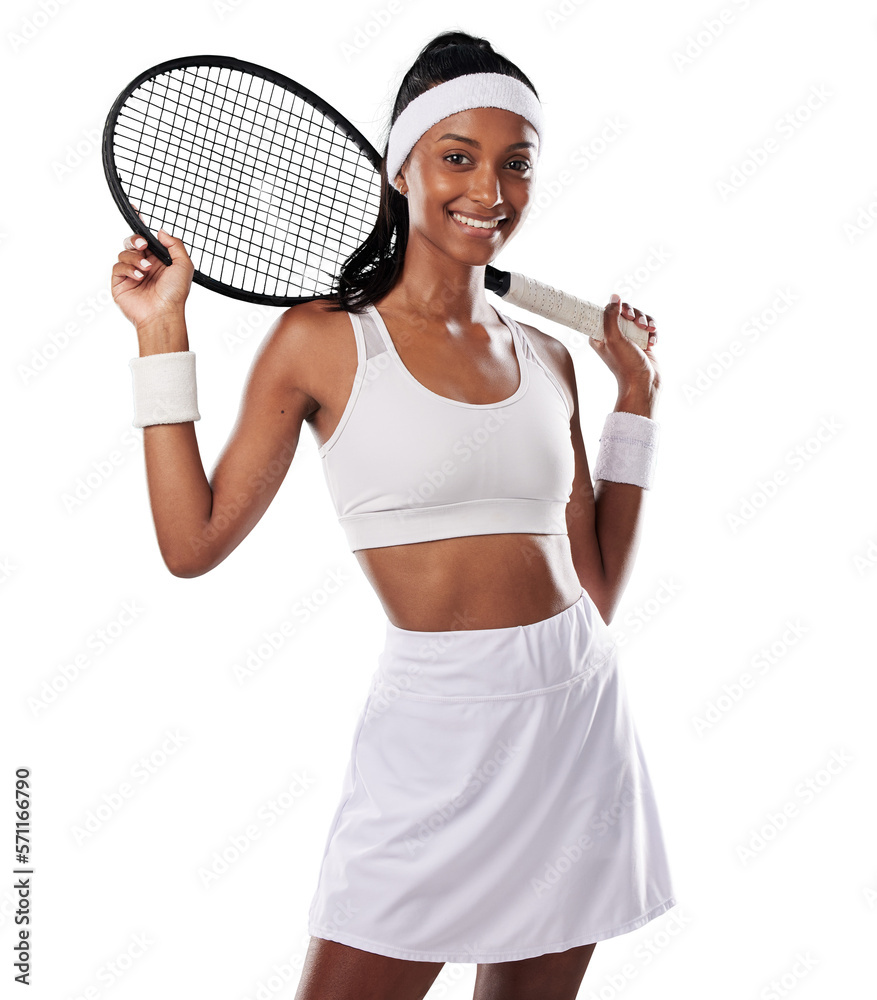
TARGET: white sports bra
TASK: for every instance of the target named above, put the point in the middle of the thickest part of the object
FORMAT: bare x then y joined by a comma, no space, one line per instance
407,465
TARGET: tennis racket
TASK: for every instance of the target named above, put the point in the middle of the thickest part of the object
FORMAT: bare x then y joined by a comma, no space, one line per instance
268,186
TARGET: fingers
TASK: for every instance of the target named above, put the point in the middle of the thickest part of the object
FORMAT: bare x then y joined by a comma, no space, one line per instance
642,320
174,246
134,261
128,269
135,242
636,315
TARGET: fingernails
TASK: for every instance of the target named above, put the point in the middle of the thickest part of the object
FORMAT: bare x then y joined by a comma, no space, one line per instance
615,299
140,243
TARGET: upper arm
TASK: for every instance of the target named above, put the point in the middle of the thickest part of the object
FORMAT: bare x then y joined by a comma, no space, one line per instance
581,520
263,441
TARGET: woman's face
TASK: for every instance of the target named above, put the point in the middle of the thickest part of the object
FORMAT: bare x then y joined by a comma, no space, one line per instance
480,164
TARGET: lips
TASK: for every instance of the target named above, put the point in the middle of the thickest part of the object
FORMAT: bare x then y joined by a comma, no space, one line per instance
479,230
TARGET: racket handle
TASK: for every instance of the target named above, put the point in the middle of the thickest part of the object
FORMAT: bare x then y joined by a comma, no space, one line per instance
563,308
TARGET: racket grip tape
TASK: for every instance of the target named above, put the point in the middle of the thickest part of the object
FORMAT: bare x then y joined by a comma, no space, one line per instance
561,307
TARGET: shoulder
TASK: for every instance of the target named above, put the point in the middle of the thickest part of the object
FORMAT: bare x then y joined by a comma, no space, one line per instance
308,344
310,325
555,354
546,345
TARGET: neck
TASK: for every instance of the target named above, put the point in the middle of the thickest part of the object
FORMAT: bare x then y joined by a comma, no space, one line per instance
441,290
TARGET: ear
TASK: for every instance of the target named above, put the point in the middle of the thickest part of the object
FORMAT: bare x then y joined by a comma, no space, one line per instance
400,184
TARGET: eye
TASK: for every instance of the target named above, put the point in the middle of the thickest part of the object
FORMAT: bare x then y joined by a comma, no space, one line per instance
524,164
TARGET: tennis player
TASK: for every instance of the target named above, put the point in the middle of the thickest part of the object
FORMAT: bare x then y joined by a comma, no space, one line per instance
497,807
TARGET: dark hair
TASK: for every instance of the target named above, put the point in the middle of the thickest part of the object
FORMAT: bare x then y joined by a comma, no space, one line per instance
376,265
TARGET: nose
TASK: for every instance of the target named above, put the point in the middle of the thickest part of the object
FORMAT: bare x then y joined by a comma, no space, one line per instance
484,186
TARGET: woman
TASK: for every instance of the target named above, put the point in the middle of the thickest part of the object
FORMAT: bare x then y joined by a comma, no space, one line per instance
497,808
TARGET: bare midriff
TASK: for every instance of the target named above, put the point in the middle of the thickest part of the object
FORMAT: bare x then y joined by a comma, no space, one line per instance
473,582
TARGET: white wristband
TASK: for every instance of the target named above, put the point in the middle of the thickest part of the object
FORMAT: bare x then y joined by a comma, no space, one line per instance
164,388
628,450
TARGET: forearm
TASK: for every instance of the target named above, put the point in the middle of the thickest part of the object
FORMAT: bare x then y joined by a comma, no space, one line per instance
179,491
179,494
618,517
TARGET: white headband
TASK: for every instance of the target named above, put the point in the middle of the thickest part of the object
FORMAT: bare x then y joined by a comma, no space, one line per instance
475,90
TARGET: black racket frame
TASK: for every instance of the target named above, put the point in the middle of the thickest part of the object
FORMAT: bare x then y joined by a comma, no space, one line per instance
223,62
495,280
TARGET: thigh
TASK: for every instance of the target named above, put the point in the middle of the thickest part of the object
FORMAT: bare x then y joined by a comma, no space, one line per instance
556,976
334,971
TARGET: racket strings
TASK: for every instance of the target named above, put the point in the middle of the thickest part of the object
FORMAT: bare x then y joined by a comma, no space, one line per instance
353,175
267,192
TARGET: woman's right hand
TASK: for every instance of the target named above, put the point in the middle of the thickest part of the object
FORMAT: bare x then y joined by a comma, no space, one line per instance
162,290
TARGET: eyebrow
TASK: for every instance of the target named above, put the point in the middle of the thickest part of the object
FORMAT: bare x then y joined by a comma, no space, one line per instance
477,145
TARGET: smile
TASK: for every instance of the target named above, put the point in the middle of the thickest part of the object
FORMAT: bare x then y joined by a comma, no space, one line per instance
473,224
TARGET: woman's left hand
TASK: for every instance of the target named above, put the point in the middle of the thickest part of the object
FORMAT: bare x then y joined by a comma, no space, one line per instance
634,368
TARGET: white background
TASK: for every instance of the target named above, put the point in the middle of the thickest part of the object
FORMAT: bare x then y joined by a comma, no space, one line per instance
646,216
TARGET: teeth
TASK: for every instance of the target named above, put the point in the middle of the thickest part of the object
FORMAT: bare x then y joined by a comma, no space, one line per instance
476,223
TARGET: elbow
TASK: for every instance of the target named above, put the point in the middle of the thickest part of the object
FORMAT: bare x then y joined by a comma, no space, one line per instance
608,606
186,560
188,568
182,568
604,601
185,572
606,613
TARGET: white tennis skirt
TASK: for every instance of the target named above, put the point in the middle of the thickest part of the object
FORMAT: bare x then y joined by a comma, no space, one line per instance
497,804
